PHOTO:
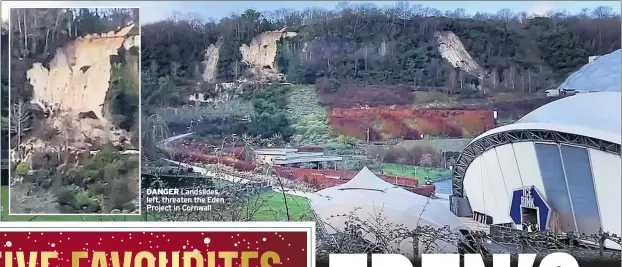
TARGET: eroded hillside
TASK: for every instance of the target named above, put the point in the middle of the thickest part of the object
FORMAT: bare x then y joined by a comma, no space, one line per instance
258,56
79,76
76,93
424,47
362,56
74,111
453,51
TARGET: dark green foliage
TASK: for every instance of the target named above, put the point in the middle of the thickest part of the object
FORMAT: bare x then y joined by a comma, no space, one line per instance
124,95
270,100
158,91
264,125
369,45
268,119
267,125
4,84
177,46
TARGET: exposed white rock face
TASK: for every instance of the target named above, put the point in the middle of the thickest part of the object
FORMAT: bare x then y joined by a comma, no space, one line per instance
77,83
260,54
79,74
383,48
453,51
132,41
210,62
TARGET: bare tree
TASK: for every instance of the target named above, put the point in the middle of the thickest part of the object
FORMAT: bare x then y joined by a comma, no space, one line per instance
426,161
20,123
377,234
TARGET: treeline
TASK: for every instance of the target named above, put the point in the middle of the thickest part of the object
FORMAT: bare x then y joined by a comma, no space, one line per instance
39,31
257,113
4,74
393,45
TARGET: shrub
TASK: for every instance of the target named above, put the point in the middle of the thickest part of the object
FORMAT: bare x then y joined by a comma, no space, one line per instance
120,196
411,155
352,95
327,86
242,165
22,168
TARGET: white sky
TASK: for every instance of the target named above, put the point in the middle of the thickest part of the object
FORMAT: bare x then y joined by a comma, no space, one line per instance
156,10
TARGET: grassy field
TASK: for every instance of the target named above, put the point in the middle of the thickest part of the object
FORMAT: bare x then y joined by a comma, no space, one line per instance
271,208
414,171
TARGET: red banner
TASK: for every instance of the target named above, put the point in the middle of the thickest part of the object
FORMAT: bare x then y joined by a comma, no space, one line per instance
125,244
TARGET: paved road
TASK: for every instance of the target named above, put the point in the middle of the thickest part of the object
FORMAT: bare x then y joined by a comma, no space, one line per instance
443,188
227,177
167,141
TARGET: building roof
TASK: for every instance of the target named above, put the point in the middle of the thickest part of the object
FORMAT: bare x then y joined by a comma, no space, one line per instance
274,151
369,199
603,74
596,115
370,194
366,179
306,159
598,111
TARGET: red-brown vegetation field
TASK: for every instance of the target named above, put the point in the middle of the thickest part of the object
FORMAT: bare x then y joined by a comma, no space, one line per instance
318,179
321,179
408,123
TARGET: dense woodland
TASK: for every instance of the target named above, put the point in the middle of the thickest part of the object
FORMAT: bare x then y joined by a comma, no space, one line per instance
363,51
371,45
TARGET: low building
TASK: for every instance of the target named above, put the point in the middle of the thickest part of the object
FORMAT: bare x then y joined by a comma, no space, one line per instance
291,156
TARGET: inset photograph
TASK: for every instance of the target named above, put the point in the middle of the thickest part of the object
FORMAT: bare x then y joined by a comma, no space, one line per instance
73,111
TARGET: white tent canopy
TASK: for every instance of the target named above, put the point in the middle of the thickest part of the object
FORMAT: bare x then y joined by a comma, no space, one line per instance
374,200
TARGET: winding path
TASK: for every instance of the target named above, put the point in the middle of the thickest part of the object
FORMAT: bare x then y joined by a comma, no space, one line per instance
204,171
442,197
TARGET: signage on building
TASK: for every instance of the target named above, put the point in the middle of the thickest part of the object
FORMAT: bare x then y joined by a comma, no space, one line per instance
526,200
529,198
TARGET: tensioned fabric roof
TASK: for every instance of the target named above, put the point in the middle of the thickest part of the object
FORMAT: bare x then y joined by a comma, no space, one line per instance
596,115
371,198
366,189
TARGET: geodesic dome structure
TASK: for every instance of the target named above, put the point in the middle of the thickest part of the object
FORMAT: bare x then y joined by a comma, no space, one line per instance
602,75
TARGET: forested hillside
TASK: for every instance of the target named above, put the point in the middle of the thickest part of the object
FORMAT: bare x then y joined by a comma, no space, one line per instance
371,45
358,56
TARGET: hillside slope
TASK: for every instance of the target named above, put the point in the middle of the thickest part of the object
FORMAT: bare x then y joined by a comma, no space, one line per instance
74,108
421,47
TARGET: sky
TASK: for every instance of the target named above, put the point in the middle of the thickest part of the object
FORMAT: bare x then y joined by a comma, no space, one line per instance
154,10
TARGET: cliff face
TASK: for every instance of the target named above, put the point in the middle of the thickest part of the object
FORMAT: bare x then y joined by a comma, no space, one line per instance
453,51
260,54
210,62
76,91
79,74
